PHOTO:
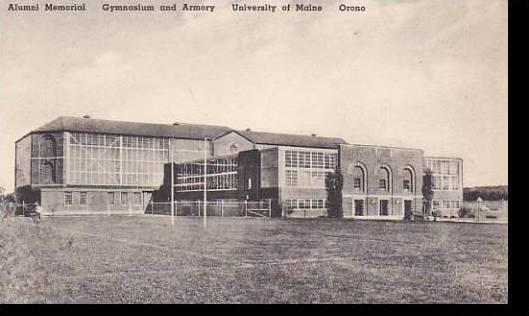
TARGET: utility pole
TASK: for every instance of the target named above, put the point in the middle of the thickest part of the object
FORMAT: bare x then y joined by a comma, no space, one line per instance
172,179
205,181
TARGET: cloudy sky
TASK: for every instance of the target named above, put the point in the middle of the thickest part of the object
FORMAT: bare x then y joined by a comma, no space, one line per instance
422,74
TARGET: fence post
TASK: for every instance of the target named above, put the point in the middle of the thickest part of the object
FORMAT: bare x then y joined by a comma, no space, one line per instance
270,208
175,208
221,208
130,209
108,209
152,208
245,208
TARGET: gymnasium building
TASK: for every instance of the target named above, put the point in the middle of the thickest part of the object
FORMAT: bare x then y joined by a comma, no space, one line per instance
90,166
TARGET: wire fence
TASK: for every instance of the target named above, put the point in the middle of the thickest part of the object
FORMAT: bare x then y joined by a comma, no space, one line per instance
213,208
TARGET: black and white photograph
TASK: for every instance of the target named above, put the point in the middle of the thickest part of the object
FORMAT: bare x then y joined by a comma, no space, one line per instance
254,152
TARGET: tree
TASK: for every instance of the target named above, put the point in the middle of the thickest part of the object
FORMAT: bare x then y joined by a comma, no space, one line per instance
427,191
334,185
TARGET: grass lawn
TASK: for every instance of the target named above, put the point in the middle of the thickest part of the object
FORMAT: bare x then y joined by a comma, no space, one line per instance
144,259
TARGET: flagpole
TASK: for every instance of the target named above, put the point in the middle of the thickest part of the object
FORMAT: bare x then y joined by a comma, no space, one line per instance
205,180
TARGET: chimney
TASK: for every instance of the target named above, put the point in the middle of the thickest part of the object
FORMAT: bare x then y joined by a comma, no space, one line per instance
86,116
313,135
248,129
176,123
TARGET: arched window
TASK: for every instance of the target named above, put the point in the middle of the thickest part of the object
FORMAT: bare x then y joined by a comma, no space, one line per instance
408,179
47,173
359,177
384,179
47,147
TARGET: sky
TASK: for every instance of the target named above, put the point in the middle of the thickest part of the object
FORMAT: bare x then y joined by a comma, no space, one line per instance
420,74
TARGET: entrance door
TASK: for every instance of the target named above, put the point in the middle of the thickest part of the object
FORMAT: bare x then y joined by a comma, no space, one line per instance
407,209
359,207
384,209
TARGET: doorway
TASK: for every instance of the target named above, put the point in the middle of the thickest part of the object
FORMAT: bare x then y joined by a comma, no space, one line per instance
384,208
359,207
407,209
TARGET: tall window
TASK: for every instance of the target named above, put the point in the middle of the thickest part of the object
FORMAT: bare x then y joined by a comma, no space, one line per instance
383,184
124,198
408,180
291,178
47,172
359,178
111,199
47,147
136,198
68,198
82,198
384,179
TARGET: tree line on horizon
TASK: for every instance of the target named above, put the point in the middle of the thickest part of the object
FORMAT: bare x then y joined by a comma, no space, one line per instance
487,193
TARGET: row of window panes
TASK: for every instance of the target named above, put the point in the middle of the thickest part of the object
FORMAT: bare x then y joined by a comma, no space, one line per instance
102,140
445,183
123,198
382,184
145,142
306,159
443,166
216,182
445,204
68,198
305,178
106,140
101,153
212,167
305,204
93,178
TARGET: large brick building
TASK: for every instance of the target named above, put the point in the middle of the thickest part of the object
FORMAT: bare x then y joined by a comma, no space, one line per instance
85,165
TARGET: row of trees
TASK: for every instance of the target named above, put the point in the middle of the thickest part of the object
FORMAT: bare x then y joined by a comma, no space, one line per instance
487,193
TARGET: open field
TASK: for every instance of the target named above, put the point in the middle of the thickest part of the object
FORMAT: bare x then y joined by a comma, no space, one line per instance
144,259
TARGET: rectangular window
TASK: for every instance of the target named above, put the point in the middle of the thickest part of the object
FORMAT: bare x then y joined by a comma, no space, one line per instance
435,204
110,196
304,159
68,198
330,161
382,184
318,179
124,198
317,160
291,158
357,183
318,204
291,178
291,204
454,167
406,185
455,183
445,167
137,198
446,183
436,182
446,204
304,204
82,198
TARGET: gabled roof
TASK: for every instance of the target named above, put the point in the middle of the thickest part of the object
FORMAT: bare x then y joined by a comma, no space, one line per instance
90,125
291,139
